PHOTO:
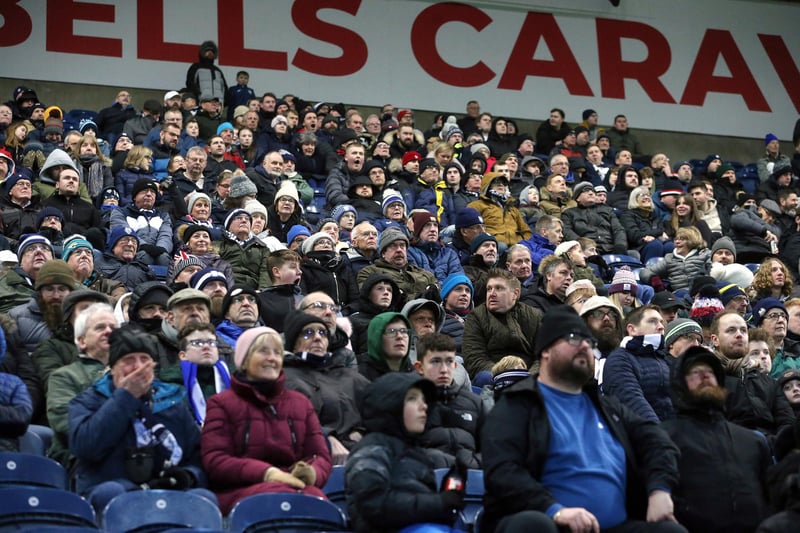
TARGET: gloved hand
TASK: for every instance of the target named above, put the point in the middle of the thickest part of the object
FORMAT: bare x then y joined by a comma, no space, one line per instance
175,478
279,476
433,293
152,249
304,472
452,499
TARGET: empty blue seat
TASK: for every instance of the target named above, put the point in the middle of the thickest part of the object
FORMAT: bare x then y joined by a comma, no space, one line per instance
752,266
473,498
276,512
34,507
617,260
32,443
157,510
32,470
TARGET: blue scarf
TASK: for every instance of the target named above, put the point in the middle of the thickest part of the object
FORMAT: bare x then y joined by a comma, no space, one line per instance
194,393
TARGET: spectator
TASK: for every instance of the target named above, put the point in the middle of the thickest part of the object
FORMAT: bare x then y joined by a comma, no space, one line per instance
686,262
379,294
93,326
705,498
40,317
130,418
60,349
524,492
549,289
428,252
240,311
501,217
646,232
393,261
595,221
332,387
204,373
452,434
246,254
773,158
501,326
283,295
753,399
547,234
388,346
637,373
389,466
771,315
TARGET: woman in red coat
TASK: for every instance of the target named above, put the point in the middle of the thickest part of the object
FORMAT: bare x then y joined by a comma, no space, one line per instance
259,437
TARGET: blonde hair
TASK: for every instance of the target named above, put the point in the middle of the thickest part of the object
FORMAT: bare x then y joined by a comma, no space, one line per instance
136,157
692,235
509,362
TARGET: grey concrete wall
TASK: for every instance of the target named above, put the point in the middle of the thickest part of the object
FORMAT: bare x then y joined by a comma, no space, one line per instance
678,146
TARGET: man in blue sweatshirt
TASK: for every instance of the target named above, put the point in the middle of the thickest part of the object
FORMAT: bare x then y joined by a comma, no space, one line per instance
579,462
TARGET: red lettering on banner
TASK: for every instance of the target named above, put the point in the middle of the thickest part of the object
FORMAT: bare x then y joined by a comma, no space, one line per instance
701,80
614,70
423,44
150,43
354,49
61,16
16,26
520,64
230,16
784,65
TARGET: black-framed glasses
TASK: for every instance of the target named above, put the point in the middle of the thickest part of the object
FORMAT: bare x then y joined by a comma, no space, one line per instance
391,332
576,339
599,314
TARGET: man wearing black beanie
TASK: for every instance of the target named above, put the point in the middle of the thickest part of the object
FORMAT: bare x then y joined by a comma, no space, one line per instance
576,470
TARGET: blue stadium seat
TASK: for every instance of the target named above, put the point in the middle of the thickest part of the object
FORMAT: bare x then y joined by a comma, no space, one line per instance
31,470
698,165
35,507
159,271
752,266
473,498
275,512
334,488
32,443
617,260
156,510
652,261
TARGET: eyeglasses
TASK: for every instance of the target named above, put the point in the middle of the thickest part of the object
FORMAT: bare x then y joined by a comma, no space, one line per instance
37,247
776,316
310,332
127,241
599,314
322,305
392,332
285,200
575,339
199,343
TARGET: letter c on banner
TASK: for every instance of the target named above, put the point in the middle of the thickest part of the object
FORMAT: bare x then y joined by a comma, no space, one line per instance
423,44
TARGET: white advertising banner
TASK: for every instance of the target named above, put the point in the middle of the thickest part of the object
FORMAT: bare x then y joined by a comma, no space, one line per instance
724,67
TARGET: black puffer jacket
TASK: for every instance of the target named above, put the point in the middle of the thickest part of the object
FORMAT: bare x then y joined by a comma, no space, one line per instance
334,390
515,441
454,426
390,481
722,465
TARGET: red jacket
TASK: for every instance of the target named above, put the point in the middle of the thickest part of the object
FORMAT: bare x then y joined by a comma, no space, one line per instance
246,432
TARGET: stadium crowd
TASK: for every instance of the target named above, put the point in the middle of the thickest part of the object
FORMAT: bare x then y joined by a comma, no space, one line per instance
230,294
